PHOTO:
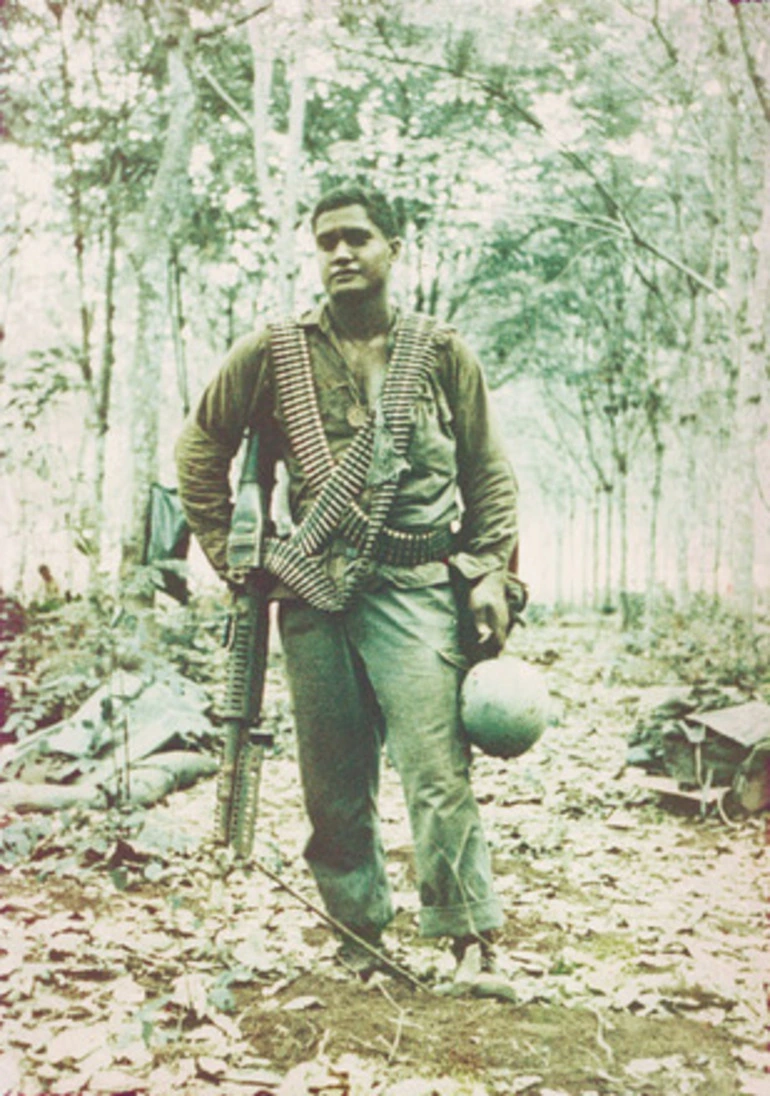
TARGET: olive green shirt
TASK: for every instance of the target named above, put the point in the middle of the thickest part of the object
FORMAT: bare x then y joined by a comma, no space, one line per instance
457,474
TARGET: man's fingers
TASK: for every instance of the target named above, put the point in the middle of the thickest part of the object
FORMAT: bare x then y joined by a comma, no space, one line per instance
489,633
483,632
490,614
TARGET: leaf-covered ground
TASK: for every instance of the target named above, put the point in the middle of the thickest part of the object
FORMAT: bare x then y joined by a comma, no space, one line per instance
135,958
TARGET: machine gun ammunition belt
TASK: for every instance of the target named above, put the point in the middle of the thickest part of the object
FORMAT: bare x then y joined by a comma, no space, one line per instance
338,484
397,547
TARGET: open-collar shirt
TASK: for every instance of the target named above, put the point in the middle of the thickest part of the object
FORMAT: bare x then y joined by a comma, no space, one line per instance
458,473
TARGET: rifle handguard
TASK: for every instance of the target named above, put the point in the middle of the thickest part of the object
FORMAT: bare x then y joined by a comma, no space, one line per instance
244,742
244,544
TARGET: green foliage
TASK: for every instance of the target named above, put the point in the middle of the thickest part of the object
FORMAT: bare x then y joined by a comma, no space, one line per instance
66,652
49,374
59,659
332,115
710,645
21,836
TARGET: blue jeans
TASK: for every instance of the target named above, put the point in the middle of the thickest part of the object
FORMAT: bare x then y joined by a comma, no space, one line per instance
390,667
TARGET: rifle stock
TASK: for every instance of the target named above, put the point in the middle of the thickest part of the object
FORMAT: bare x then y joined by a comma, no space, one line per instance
244,743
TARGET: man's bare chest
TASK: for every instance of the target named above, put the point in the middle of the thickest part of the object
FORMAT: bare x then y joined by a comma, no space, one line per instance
367,363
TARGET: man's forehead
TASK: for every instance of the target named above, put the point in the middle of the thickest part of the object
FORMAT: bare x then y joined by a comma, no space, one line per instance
349,216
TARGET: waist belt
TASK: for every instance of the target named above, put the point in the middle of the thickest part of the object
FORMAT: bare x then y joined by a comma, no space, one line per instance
398,548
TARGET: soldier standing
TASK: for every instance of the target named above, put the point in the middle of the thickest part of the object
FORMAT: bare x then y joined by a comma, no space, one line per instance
398,484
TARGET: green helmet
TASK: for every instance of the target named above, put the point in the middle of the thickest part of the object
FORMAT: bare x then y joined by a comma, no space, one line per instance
504,706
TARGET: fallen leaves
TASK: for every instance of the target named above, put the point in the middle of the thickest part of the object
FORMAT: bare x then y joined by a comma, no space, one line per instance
133,960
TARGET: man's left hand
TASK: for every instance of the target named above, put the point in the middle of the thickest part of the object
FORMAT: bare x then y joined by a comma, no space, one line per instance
489,609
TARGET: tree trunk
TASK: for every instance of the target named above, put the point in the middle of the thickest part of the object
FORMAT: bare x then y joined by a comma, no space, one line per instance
177,329
684,522
279,197
85,533
106,370
609,514
656,494
22,531
589,547
716,565
262,61
287,249
625,601
150,259
574,551
596,548
751,343
559,562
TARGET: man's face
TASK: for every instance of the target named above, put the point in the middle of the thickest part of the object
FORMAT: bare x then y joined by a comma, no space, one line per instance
355,257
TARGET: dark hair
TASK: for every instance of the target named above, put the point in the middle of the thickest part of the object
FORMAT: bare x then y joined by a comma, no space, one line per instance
377,206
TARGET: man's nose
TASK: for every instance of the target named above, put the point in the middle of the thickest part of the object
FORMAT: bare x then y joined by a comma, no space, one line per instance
342,250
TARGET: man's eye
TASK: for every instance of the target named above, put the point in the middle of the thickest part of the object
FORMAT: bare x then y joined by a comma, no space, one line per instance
356,237
353,237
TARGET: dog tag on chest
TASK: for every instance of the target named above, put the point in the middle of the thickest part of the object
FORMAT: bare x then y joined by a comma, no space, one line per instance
357,416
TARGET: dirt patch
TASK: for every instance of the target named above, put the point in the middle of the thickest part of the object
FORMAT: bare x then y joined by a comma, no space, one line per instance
571,1049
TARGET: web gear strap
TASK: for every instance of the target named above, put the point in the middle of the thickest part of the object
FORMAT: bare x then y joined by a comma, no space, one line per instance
375,458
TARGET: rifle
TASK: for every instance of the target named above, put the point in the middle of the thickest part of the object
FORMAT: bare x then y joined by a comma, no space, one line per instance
244,741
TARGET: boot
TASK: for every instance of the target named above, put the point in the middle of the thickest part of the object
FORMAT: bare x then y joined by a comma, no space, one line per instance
475,954
356,958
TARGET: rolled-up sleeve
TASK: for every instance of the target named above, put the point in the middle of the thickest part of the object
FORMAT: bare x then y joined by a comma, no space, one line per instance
486,479
238,397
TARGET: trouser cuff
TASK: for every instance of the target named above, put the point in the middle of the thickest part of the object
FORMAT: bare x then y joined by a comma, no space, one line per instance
358,918
461,920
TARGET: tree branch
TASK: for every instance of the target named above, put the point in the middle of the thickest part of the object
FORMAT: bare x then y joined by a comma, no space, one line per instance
604,481
224,95
668,45
605,224
236,21
560,441
619,219
758,81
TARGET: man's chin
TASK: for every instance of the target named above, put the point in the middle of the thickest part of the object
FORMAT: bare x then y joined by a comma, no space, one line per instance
342,288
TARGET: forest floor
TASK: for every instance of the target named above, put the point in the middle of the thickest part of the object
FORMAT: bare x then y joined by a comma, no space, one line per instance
134,960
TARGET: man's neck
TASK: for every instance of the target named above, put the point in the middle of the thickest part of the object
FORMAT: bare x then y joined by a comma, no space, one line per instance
361,319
